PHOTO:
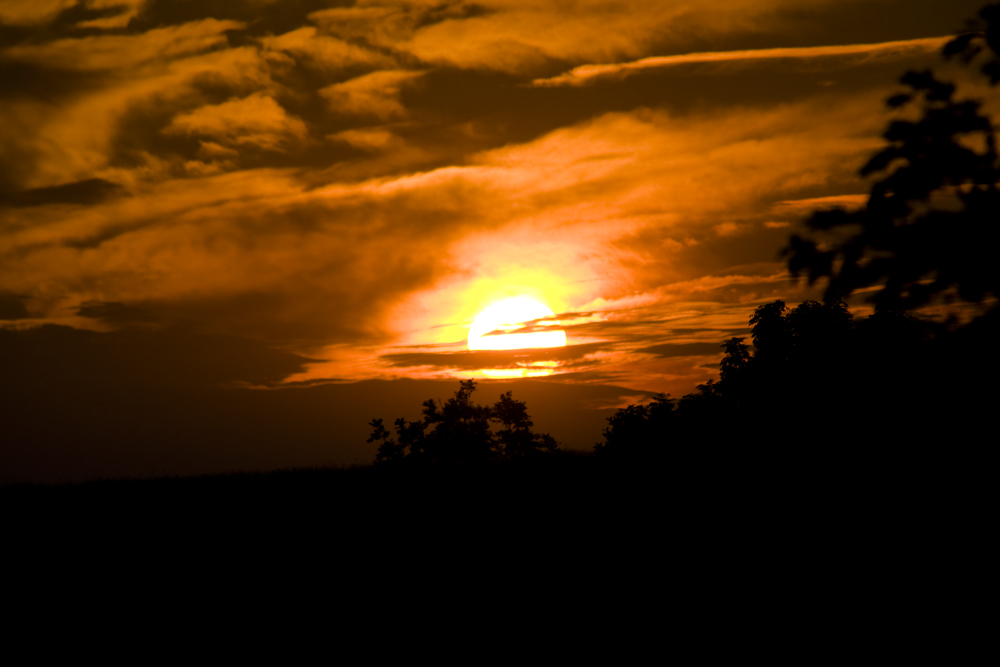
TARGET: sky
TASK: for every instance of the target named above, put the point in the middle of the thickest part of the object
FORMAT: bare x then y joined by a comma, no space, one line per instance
306,202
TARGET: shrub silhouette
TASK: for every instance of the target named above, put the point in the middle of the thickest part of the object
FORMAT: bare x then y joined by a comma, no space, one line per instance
460,433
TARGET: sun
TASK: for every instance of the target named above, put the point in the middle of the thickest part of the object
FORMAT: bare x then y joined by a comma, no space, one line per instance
511,314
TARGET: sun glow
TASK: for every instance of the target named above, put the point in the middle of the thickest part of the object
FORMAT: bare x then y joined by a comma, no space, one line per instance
488,331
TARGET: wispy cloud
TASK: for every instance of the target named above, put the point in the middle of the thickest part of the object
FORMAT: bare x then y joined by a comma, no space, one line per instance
802,206
587,74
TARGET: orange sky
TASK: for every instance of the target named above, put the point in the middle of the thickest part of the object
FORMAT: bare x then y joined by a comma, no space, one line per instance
352,182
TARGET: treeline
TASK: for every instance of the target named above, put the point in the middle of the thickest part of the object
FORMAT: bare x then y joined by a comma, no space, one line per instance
816,380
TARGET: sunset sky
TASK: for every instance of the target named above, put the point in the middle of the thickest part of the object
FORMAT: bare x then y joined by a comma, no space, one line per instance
250,194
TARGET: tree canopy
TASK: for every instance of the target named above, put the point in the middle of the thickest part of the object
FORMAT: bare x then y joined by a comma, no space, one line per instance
813,377
461,433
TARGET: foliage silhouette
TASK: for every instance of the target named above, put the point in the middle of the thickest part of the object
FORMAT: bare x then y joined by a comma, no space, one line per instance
929,227
460,433
815,378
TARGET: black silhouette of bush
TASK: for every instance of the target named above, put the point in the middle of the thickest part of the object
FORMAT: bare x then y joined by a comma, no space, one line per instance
461,433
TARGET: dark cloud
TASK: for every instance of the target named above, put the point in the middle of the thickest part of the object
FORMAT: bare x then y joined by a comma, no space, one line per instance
636,332
115,313
58,354
85,192
669,350
478,359
262,18
12,307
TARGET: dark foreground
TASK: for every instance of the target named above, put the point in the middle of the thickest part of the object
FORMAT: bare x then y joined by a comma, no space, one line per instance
556,490
677,548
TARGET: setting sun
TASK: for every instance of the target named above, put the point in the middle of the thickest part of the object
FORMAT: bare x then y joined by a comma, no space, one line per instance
487,332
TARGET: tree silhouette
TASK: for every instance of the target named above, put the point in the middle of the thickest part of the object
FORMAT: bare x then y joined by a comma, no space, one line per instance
636,433
811,368
929,227
459,433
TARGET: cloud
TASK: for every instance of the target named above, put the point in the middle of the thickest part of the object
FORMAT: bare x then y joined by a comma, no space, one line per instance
115,313
214,151
324,51
243,251
90,191
513,36
376,94
671,350
804,206
343,247
127,10
35,12
118,52
12,307
480,359
67,357
580,214
257,120
730,229
69,135
32,12
713,283
368,139
588,74
385,23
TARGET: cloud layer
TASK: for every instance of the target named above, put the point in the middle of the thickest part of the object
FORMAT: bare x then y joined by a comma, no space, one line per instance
354,184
